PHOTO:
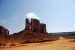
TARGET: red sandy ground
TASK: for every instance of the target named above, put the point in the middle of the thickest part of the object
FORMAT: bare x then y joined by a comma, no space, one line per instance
61,44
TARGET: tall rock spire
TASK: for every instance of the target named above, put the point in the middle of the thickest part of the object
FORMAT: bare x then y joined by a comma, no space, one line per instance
27,24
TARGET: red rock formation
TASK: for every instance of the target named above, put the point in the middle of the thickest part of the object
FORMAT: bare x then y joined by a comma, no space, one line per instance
34,25
38,27
3,31
34,31
27,25
43,28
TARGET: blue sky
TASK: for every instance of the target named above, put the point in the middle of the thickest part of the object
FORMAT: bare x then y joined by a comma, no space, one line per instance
59,15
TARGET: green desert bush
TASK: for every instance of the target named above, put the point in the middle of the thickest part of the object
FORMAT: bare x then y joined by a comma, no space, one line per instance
69,37
53,38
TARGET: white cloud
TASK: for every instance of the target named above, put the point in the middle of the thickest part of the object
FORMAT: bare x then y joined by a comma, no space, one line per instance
32,15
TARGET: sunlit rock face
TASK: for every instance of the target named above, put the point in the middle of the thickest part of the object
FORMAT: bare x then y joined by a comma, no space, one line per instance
3,31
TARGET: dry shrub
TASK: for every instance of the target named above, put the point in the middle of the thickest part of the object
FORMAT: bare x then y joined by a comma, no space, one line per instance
12,44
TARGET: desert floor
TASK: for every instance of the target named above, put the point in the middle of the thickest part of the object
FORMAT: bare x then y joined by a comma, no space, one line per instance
61,44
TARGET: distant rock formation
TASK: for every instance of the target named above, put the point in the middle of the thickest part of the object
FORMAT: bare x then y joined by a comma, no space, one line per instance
4,31
63,34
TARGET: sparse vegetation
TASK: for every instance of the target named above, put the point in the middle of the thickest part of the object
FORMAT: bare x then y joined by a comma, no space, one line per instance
12,44
0,44
42,39
69,37
53,38
4,44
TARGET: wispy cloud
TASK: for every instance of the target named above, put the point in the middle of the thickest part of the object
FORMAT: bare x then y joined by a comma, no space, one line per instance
3,22
32,15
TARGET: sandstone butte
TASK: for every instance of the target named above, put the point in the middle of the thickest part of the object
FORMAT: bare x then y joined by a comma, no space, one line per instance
34,31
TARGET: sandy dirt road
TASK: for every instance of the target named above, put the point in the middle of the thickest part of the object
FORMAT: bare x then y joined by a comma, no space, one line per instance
61,44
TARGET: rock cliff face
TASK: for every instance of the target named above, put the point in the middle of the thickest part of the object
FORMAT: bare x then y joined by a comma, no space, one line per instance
3,31
34,32
35,26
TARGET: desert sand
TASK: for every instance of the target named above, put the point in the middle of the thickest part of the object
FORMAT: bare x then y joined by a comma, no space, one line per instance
61,44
